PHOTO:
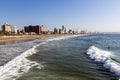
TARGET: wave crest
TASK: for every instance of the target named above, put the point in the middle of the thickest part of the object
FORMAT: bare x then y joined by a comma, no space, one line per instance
104,57
18,65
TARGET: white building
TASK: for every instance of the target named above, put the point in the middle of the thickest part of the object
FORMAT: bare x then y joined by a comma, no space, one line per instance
7,28
44,29
14,29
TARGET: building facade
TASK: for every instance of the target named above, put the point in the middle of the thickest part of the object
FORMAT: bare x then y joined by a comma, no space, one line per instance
44,29
55,30
6,28
36,29
63,30
13,29
9,29
32,29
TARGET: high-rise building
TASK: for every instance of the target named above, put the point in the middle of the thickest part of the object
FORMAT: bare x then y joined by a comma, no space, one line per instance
44,29
55,30
13,29
60,31
63,27
63,30
33,29
6,28
70,31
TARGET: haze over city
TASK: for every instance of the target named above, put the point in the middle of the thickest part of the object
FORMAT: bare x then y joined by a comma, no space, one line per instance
93,15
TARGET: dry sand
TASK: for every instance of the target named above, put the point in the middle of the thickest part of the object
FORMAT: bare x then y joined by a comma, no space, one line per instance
26,37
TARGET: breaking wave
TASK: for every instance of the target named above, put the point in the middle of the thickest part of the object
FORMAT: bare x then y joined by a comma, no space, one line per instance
105,57
20,64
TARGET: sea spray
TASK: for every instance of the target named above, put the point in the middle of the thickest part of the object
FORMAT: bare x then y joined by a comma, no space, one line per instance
18,65
104,57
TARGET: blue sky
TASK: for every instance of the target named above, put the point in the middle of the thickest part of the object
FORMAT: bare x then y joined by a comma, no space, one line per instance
93,15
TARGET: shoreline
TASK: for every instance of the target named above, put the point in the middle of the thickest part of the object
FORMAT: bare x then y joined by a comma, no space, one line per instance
5,39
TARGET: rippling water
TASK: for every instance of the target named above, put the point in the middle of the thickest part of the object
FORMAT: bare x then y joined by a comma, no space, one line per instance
88,57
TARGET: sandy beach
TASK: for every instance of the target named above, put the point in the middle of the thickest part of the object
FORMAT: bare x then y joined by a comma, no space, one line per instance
26,37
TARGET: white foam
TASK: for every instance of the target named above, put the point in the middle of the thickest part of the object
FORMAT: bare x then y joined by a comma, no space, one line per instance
62,37
100,55
59,38
97,54
18,65
113,66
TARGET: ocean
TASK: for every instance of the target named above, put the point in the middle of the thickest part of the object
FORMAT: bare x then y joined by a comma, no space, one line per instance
78,57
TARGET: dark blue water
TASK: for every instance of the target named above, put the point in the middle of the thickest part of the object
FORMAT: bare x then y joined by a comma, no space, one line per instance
88,57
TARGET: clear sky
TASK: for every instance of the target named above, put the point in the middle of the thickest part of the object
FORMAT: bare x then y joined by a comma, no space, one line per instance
95,15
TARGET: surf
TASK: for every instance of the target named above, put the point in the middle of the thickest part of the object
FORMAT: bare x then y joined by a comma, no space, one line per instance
20,64
105,57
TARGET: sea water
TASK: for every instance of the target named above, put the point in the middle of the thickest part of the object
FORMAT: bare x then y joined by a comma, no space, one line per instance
81,57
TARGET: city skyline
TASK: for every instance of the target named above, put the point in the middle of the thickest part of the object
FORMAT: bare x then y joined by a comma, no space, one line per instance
92,15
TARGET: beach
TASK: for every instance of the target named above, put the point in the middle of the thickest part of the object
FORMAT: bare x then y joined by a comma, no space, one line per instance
27,37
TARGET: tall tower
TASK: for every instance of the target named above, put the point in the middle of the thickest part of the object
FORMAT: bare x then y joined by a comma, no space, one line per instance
65,30
63,27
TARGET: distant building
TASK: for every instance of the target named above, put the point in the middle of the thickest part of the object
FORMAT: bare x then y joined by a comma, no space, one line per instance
32,29
83,32
44,29
6,28
13,29
55,30
50,32
78,31
60,31
63,27
70,31
37,29
21,31
9,29
63,30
